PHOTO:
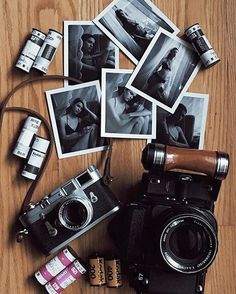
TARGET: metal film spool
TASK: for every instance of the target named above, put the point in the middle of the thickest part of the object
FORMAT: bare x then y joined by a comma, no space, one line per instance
35,158
66,277
201,45
24,140
30,50
53,267
222,167
47,51
113,273
97,276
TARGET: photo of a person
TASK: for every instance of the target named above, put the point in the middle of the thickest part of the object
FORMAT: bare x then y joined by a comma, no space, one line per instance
124,113
171,132
75,117
78,127
186,126
165,71
139,33
86,51
161,75
131,25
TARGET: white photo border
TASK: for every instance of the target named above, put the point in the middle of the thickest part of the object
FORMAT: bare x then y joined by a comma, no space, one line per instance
66,25
143,59
60,154
103,111
118,43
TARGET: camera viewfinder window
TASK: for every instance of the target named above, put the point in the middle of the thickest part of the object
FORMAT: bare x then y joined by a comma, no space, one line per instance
84,178
69,188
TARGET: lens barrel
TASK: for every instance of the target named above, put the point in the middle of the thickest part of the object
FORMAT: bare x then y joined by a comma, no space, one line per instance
188,241
75,213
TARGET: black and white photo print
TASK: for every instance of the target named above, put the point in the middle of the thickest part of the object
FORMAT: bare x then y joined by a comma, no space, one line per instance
186,126
86,51
75,116
125,114
165,71
131,25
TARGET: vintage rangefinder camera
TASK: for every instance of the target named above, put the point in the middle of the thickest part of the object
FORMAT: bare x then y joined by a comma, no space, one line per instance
168,235
69,211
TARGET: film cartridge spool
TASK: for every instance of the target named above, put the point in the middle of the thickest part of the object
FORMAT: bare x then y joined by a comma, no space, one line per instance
25,138
97,276
30,50
47,51
113,272
55,265
201,45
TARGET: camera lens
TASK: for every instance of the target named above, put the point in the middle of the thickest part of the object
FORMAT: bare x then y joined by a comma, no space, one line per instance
188,242
75,213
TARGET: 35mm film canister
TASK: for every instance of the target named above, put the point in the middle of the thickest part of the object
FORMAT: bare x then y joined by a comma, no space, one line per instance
63,259
70,274
30,50
35,158
24,140
113,272
97,275
202,45
47,51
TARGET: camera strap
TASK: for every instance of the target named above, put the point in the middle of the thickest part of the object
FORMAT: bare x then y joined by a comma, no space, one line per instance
3,108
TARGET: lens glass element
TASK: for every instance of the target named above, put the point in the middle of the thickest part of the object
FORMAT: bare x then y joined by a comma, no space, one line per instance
188,243
75,214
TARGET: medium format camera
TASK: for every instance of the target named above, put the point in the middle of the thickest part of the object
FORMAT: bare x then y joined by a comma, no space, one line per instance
69,211
168,235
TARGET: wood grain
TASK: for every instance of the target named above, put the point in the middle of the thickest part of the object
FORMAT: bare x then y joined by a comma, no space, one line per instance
17,18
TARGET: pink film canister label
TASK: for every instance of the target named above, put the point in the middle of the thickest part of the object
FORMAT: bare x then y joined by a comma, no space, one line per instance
55,266
65,278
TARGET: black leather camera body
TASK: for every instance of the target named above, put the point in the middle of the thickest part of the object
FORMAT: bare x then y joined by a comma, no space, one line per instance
168,235
69,211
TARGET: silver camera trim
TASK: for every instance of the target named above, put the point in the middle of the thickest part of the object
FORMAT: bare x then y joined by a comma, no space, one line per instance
81,232
76,198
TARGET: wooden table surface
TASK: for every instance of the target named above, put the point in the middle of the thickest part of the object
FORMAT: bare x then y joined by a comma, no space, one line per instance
17,18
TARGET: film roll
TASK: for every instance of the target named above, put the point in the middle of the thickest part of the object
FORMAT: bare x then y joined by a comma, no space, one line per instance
69,275
63,259
47,51
97,275
25,138
202,46
30,50
113,272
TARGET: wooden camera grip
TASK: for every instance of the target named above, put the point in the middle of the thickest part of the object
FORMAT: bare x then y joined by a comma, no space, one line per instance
164,158
190,159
